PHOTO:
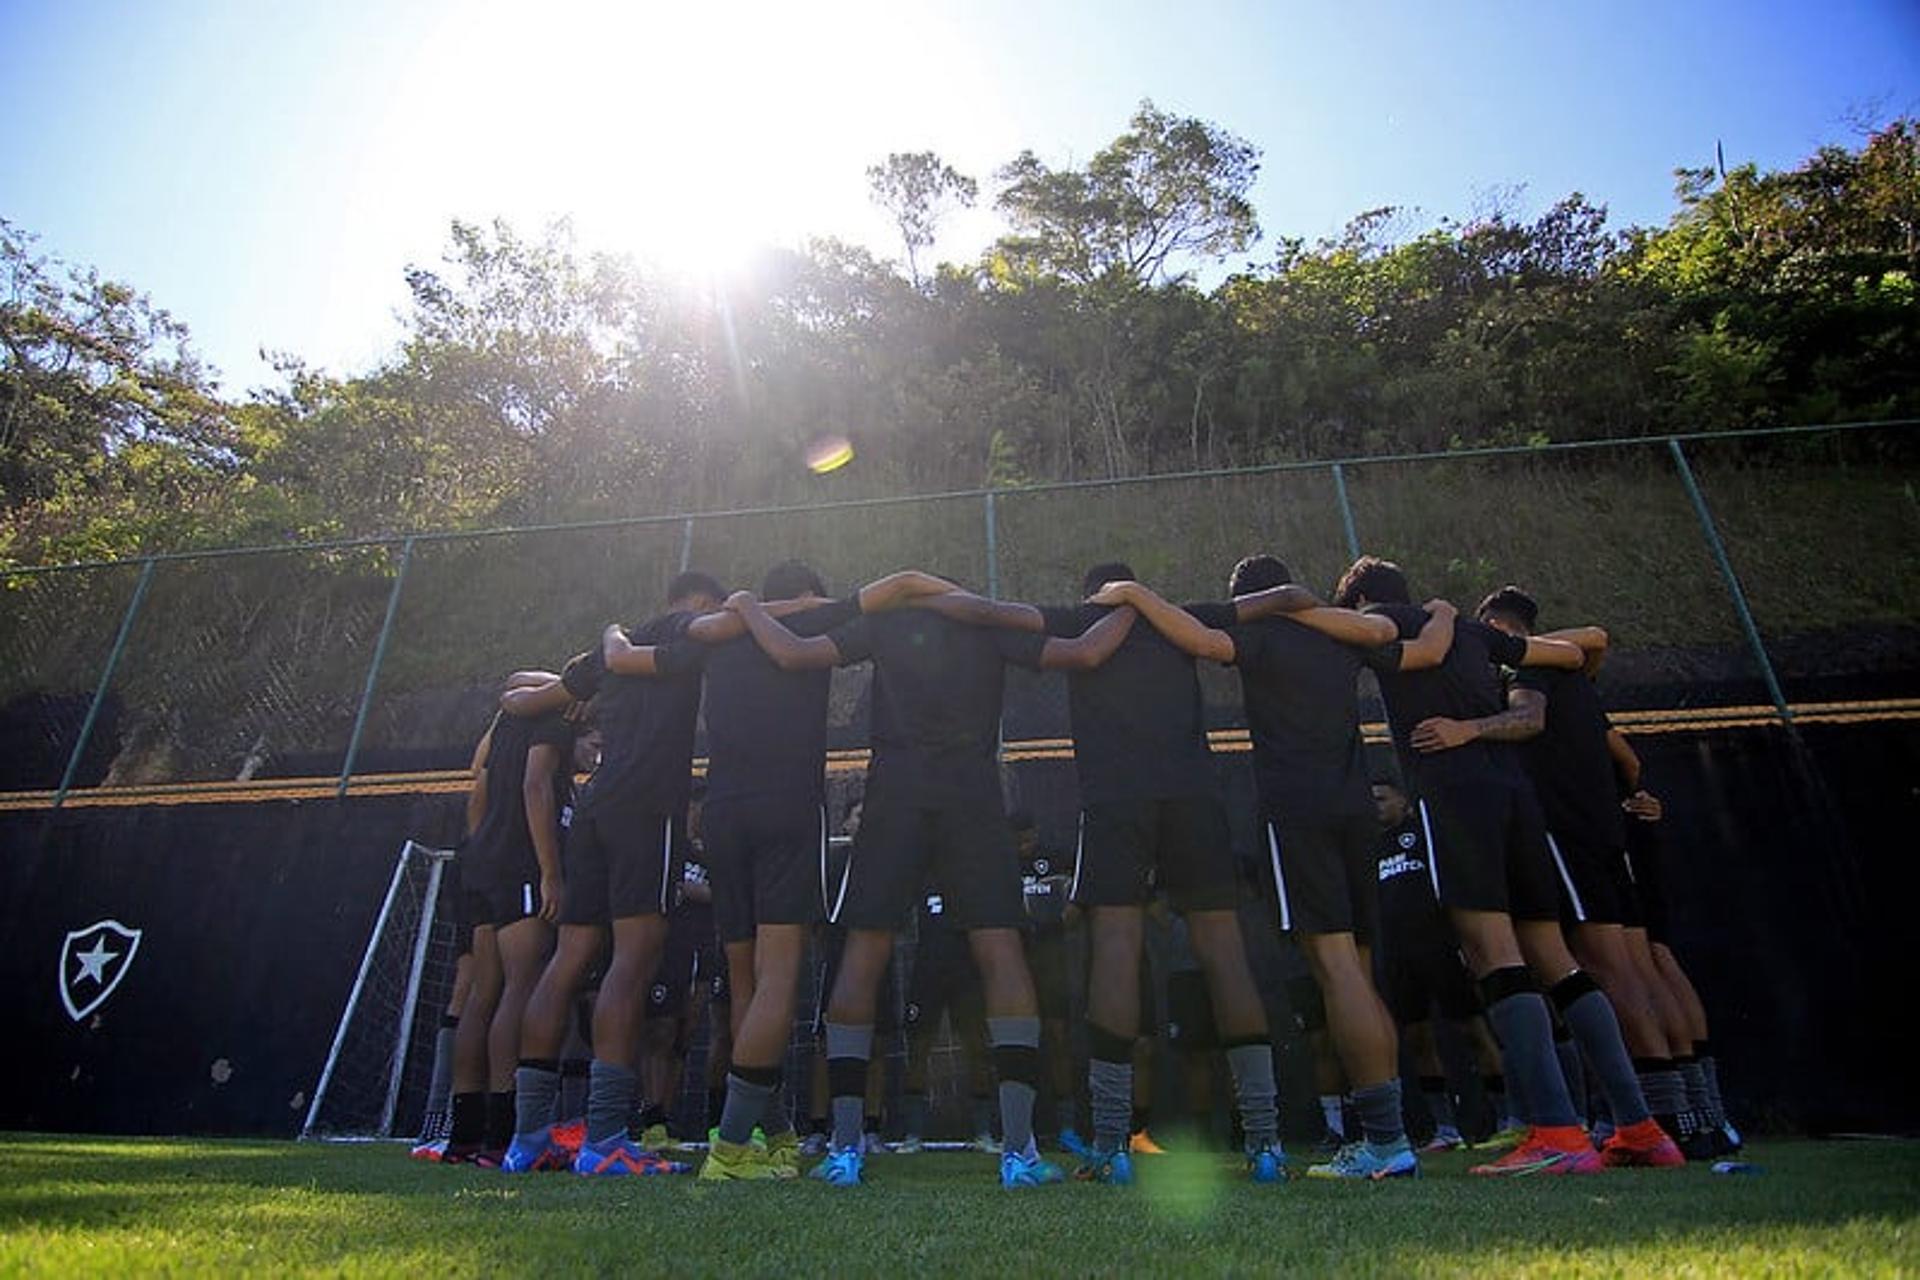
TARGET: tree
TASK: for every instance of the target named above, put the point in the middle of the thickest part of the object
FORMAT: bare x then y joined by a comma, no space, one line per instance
1169,187
917,190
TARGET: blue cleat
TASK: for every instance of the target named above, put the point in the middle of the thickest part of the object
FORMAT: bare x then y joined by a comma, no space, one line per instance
1114,1168
536,1152
1075,1145
1268,1164
1365,1161
840,1168
623,1158
1020,1170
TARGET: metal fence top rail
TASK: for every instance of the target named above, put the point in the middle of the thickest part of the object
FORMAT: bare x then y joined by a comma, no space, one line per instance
1052,486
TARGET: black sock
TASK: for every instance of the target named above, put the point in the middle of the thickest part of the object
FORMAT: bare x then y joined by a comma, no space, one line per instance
716,1104
499,1121
1142,1117
469,1120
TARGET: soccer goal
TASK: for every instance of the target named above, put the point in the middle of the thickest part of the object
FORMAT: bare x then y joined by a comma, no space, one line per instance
382,1054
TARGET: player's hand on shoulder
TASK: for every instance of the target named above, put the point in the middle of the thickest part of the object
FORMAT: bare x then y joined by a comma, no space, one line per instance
1438,733
1439,608
1644,805
740,600
1114,593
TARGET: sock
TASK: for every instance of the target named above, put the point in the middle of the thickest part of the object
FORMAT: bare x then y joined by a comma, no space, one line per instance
747,1094
535,1086
1380,1118
469,1119
1495,1087
1710,1072
1254,1093
610,1092
1334,1112
716,1103
982,1108
570,1103
1016,1060
1439,1103
1142,1118
1665,1089
1597,1031
1693,1087
849,1049
1572,1070
1110,1087
499,1125
913,1110
436,1123
1524,1028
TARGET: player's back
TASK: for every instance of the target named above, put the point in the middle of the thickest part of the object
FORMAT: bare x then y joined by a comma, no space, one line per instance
766,727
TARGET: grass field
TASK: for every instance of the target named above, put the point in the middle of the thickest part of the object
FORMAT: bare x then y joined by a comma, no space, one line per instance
85,1205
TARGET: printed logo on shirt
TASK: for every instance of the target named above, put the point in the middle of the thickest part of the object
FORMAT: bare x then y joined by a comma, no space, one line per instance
1400,864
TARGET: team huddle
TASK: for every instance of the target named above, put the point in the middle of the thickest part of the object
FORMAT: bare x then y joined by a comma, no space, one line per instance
1519,895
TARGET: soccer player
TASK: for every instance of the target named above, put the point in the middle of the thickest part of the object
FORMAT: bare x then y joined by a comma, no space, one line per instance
1298,671
1566,757
934,809
621,861
1490,866
1049,914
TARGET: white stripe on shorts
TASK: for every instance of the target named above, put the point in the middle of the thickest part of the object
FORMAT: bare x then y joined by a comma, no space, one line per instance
666,866
1279,879
1433,857
1560,864
1079,847
526,896
823,857
840,899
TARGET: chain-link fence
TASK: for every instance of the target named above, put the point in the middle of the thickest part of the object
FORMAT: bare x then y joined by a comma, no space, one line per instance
1764,569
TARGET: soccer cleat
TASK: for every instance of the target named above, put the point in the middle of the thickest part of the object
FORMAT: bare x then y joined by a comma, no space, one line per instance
783,1149
1074,1145
433,1152
1510,1136
1641,1146
1561,1150
1020,1170
1142,1144
1268,1164
1732,1136
815,1144
840,1169
1365,1161
1445,1138
623,1158
1114,1168
655,1136
758,1137
1328,1145
986,1142
571,1135
911,1145
538,1152
728,1162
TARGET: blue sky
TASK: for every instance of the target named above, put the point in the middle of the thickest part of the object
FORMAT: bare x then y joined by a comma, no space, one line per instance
265,171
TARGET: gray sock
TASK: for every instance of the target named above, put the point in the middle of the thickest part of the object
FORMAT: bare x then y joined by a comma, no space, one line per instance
851,1047
1379,1108
1255,1094
1693,1086
1597,1031
1524,1029
440,1087
1710,1072
610,1092
1665,1089
1110,1086
571,1104
913,1111
1574,1072
534,1089
746,1103
1016,1053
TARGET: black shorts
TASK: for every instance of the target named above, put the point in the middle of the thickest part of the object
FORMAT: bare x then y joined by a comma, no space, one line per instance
458,909
502,903
1052,979
1419,967
1321,873
1190,1023
767,860
1594,888
826,971
1178,845
1646,859
1487,849
944,980
907,839
619,864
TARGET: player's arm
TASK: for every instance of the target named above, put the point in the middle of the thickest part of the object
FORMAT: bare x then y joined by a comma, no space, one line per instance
1543,651
1626,761
1525,717
477,789
543,824
1591,641
1348,626
723,624
537,693
1091,647
901,588
1435,641
978,611
1288,598
1184,631
788,651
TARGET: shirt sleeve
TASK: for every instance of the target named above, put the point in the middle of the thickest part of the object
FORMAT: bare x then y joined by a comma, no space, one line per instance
1022,648
680,657
1507,650
824,618
1383,659
582,674
1065,621
854,640
1220,615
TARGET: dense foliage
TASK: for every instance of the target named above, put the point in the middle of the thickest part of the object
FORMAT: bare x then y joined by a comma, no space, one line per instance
537,381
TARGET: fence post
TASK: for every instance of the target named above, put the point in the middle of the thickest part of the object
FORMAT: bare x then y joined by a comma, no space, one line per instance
993,549
1731,579
1346,510
686,544
373,668
106,678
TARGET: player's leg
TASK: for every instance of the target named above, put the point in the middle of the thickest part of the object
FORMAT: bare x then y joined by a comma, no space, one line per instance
1116,938
1703,1092
470,1073
523,945
436,1124
850,1036
1309,1010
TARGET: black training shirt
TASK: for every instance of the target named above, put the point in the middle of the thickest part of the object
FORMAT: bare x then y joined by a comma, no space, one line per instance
1302,713
1568,761
502,847
1138,728
1463,687
646,722
767,728
937,686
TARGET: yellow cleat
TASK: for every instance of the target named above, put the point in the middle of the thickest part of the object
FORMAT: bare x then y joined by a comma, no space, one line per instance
783,1152
728,1162
1142,1144
1512,1136
656,1138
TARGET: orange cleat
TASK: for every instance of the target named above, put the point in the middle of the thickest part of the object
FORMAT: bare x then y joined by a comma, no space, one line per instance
1142,1144
1641,1146
1556,1149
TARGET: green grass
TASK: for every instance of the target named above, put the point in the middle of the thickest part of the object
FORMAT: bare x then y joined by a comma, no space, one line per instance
70,1204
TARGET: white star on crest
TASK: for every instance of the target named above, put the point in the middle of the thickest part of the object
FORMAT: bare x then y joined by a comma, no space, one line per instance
93,964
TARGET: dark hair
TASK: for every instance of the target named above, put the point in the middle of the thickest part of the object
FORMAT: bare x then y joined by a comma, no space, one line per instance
1380,581
1257,573
1107,571
1514,603
789,580
695,583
